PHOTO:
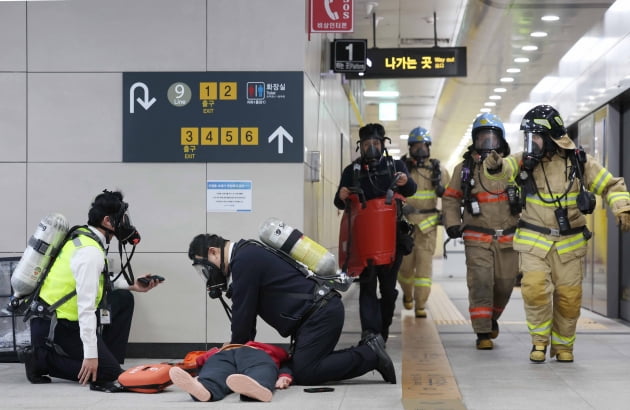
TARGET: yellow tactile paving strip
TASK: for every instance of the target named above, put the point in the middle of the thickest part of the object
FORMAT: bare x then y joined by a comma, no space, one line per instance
444,312
427,379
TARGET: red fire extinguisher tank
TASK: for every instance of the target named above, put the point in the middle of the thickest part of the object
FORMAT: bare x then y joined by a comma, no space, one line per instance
367,235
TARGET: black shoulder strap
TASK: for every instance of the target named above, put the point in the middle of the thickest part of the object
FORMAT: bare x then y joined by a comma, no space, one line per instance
436,172
280,254
578,159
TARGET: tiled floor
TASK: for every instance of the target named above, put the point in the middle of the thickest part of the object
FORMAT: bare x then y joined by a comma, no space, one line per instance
499,379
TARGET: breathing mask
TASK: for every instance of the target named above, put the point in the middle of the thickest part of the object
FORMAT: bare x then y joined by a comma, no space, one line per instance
419,151
486,141
124,230
216,281
533,149
371,151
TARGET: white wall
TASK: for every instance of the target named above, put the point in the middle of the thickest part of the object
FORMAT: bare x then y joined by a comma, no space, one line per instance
61,66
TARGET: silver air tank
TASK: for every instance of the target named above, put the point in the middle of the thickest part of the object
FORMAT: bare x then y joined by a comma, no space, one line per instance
40,248
300,247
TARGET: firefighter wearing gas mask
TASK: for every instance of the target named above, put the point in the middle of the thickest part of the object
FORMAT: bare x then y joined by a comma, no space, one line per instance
78,298
558,185
421,210
484,186
373,174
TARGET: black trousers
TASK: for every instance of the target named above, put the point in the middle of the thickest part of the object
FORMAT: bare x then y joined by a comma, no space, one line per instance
314,359
377,314
251,362
67,365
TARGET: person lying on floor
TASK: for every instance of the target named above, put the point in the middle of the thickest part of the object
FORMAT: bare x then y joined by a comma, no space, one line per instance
253,370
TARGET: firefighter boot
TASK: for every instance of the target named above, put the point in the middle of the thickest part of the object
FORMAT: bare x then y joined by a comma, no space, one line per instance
495,329
484,342
538,353
420,312
565,356
408,303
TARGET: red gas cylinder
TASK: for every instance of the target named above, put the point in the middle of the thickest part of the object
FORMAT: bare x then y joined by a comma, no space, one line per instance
367,235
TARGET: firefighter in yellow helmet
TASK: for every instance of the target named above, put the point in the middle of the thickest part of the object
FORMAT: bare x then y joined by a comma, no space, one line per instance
484,184
558,185
415,274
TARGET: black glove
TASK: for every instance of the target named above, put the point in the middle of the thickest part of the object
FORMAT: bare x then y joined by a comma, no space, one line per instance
454,232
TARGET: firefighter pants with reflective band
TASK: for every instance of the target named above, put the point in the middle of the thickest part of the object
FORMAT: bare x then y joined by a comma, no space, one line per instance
416,270
490,276
552,295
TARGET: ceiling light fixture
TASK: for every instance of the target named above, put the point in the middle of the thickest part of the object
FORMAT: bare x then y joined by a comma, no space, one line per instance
513,70
490,104
404,137
521,60
529,48
485,110
500,90
506,80
538,34
387,111
550,17
495,97
381,94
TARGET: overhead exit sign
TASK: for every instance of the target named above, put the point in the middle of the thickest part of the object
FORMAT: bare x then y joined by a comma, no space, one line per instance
414,62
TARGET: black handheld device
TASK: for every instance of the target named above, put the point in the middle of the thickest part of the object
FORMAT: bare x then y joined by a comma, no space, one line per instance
145,280
319,389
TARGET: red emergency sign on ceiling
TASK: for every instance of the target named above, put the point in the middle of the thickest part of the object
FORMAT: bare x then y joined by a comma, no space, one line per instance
332,16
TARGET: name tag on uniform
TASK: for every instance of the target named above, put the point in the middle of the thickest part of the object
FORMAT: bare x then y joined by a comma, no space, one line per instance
104,317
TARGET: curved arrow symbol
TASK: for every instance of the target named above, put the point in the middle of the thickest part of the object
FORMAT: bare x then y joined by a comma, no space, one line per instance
281,134
145,103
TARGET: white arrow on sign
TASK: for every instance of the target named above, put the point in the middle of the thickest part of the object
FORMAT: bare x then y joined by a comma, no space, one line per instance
281,134
145,103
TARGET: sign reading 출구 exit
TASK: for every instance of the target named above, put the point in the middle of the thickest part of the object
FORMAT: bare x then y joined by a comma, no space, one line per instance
213,117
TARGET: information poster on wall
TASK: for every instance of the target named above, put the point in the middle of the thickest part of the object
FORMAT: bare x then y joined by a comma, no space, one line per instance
229,196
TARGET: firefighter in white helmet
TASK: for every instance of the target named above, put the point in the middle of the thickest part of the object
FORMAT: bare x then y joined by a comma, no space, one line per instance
558,185
484,184
415,274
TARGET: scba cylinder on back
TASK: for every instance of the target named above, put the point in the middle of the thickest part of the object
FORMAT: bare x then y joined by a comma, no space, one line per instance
41,247
300,247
